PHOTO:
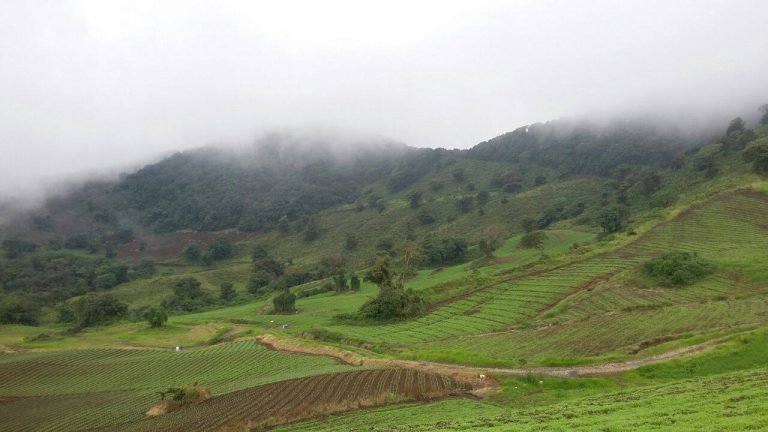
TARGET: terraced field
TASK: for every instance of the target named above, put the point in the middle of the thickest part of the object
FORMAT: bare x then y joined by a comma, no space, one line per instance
728,229
79,389
619,334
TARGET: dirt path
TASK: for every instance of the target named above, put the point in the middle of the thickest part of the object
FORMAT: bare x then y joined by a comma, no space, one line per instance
472,372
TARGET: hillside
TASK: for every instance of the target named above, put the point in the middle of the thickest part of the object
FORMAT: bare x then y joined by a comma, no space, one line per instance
555,245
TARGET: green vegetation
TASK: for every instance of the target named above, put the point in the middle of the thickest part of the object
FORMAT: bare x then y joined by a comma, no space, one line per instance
284,302
156,317
678,268
558,245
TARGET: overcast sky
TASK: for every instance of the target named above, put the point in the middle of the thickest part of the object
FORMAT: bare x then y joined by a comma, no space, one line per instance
93,85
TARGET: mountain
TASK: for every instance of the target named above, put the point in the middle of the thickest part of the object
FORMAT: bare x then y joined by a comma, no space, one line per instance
498,279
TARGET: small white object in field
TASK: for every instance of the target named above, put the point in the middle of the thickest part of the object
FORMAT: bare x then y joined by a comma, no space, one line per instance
482,377
541,382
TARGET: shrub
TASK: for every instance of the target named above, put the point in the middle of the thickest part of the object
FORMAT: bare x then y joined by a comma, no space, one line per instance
156,317
227,292
192,252
91,310
258,282
284,302
678,268
188,295
533,240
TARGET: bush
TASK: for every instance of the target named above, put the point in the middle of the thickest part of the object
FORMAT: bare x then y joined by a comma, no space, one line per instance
227,292
220,249
678,268
533,240
258,282
613,219
393,304
192,252
19,309
156,317
188,295
443,251
92,309
284,302
393,301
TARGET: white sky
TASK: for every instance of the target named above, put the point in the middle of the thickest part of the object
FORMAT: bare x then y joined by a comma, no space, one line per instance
97,85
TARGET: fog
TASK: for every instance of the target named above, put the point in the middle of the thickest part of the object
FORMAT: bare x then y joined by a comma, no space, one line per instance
96,87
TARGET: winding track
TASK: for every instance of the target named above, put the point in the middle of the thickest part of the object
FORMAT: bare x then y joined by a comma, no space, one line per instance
472,372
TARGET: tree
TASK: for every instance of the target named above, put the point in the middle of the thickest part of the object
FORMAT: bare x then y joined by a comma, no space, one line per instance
19,309
188,295
340,281
354,283
444,251
490,239
386,245
312,231
533,240
258,281
156,317
464,204
144,269
192,252
613,219
392,301
381,273
758,156
414,199
764,119
736,125
227,292
678,268
94,309
483,197
259,252
14,248
458,175
269,265
528,224
412,253
284,302
350,243
220,249
105,281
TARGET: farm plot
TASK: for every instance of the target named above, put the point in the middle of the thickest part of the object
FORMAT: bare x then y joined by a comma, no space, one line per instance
610,334
223,368
297,399
733,401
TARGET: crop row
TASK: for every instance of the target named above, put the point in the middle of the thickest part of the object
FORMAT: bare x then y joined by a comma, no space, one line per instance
605,334
224,368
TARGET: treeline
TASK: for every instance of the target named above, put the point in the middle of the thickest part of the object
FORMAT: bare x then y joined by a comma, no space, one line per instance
211,190
42,278
579,147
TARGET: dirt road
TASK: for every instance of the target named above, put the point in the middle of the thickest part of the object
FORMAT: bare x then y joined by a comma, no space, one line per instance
470,372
